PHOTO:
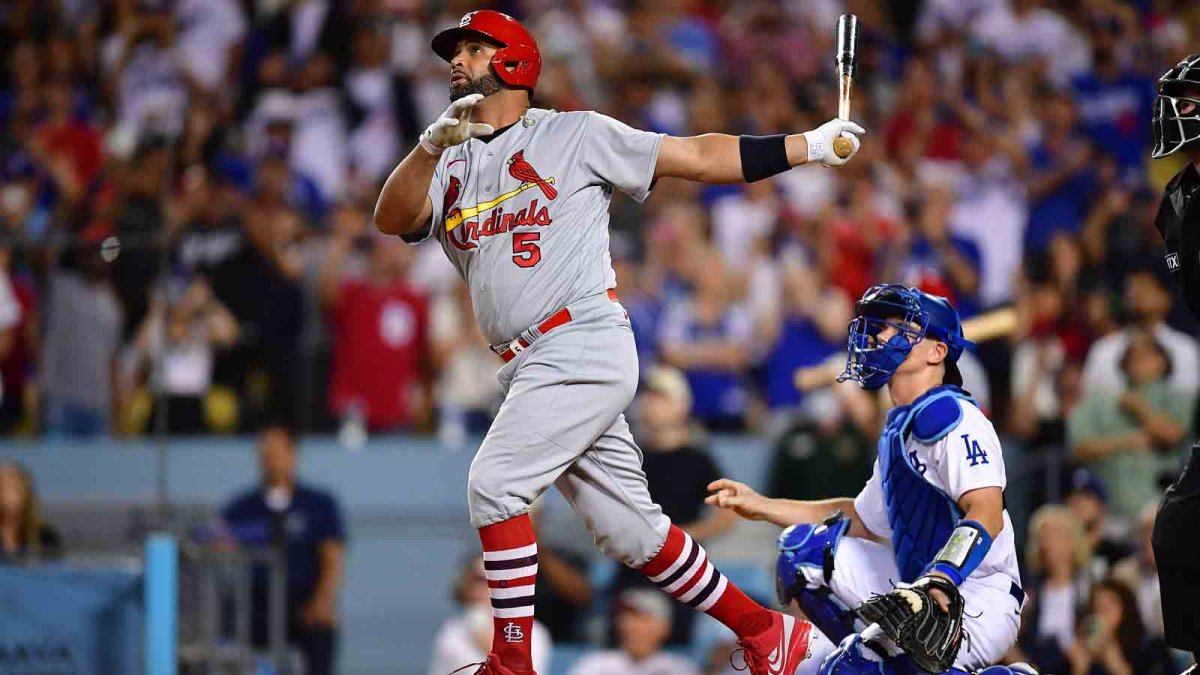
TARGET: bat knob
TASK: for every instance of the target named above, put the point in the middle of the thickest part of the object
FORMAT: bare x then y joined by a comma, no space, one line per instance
842,147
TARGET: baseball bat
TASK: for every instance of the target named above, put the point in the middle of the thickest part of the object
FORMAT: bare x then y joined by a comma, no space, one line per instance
994,324
846,61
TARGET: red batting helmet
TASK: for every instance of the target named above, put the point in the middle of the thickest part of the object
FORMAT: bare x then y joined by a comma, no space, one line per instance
518,50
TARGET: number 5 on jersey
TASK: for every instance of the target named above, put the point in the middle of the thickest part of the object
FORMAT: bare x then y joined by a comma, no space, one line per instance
525,248
974,452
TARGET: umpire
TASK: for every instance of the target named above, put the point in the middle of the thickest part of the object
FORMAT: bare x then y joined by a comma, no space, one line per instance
1177,129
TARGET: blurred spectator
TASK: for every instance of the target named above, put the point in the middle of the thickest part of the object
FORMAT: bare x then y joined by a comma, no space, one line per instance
376,99
708,338
466,389
1058,555
856,234
14,323
742,220
643,619
1111,639
381,351
1030,33
260,284
1112,97
1147,302
1087,497
210,34
1046,366
307,523
23,533
1132,437
140,218
678,470
1061,179
184,333
83,332
992,211
144,72
930,257
467,638
19,344
1140,573
565,552
308,45
830,448
62,138
807,327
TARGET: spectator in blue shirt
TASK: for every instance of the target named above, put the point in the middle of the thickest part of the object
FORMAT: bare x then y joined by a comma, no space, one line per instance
308,521
707,336
1062,179
1113,101
810,328
937,260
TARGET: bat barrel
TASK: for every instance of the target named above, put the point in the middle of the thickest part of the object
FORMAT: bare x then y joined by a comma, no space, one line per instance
847,45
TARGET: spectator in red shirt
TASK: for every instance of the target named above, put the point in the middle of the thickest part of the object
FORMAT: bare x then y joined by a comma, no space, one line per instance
18,343
71,144
381,351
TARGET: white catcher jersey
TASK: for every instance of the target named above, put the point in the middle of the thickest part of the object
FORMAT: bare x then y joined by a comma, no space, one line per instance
524,215
968,458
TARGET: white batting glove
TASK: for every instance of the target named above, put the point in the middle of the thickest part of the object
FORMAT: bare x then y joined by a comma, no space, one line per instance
820,141
454,126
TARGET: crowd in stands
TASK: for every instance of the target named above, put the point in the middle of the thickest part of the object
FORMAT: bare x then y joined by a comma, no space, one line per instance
186,190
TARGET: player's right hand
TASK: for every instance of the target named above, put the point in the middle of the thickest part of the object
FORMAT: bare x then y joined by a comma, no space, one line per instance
737,497
454,126
820,141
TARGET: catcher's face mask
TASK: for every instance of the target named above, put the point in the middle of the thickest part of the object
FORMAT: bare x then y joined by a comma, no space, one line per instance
888,324
1176,123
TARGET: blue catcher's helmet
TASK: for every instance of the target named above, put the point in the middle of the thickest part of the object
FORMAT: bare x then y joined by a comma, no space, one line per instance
914,314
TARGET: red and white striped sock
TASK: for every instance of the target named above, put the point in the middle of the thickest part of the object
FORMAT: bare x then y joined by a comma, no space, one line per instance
510,565
682,570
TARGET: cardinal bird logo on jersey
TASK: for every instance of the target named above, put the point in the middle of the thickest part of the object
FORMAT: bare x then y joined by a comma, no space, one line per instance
466,225
452,192
523,171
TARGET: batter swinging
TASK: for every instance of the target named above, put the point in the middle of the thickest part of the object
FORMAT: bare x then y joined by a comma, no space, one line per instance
518,198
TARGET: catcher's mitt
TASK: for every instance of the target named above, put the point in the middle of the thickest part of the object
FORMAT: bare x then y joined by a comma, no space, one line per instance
915,621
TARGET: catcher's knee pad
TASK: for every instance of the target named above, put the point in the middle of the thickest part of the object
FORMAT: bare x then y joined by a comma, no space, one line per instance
804,568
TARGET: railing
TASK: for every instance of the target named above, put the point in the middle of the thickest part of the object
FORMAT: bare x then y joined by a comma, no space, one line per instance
216,603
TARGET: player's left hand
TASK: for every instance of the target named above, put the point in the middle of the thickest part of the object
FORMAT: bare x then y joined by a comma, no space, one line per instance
820,141
454,126
914,618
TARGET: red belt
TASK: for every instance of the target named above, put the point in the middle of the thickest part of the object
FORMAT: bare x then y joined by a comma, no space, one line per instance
510,351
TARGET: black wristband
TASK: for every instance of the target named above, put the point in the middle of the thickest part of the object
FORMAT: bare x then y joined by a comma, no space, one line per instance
763,156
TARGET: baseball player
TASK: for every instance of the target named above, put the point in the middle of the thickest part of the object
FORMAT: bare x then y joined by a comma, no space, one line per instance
518,198
931,516
1176,128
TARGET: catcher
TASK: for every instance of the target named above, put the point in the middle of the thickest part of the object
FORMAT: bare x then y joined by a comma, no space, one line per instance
925,552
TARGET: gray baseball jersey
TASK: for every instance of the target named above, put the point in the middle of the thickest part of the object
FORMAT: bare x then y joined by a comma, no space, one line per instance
524,216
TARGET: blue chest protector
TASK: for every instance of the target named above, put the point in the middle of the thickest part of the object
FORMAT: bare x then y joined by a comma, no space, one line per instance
921,516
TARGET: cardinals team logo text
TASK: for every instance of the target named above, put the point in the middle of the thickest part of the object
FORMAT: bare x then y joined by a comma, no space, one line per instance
463,223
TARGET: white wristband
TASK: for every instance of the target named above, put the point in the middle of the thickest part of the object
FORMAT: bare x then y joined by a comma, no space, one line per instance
428,146
816,144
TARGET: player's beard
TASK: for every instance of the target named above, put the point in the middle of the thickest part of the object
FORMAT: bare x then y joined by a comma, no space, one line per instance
484,84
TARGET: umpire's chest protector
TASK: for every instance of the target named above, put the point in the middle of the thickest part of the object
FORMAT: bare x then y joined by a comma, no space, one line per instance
921,515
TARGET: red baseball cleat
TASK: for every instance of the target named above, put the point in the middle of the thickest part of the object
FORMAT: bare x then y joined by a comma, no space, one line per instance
779,649
492,667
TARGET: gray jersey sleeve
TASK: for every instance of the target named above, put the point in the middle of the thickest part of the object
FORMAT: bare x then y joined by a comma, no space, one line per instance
621,156
436,197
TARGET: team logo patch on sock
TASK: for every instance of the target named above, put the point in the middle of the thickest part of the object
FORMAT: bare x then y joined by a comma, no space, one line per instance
513,633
